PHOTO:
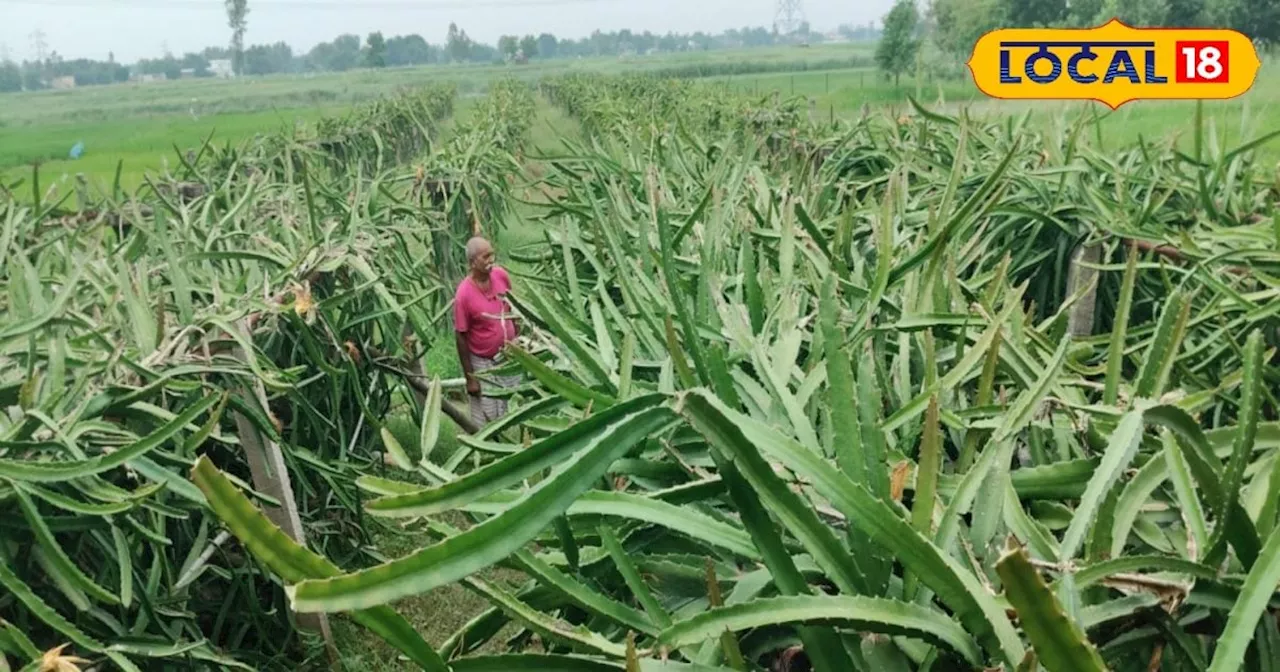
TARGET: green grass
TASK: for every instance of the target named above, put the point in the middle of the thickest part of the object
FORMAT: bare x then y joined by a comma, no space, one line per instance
551,126
139,123
138,145
1228,123
441,612
438,614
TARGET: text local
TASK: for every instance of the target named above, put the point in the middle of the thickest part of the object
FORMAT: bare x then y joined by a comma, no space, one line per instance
1120,67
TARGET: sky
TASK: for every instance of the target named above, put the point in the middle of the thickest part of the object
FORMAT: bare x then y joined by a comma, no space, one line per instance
133,29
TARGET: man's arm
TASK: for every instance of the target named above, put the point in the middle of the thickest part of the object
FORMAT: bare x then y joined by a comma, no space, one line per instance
464,358
464,354
461,323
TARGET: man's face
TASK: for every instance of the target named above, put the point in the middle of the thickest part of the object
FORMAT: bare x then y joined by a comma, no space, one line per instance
483,263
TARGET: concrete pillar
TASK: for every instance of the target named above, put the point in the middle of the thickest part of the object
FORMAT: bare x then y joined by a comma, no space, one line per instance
1080,274
271,477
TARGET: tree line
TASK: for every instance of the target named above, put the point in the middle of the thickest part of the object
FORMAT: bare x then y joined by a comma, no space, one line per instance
953,26
959,23
350,51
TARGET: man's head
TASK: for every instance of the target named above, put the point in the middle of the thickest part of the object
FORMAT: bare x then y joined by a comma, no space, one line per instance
480,256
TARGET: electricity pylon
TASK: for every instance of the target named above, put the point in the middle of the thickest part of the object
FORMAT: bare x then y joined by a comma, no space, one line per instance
789,16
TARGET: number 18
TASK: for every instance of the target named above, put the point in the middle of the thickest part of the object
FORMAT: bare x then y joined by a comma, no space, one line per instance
1202,62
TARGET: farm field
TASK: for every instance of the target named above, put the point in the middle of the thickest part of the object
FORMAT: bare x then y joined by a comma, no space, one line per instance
140,128
137,122
858,392
843,93
143,144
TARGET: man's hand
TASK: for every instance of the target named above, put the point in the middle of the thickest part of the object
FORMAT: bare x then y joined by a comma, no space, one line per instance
473,386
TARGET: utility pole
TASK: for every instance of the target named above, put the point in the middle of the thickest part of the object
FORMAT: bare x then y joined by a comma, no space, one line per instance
789,16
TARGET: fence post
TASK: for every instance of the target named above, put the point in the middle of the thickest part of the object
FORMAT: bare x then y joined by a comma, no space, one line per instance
271,477
1082,273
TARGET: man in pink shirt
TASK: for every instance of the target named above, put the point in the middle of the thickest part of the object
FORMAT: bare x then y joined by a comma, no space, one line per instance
484,323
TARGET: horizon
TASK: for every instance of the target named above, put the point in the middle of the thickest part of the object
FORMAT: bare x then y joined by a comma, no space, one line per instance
144,29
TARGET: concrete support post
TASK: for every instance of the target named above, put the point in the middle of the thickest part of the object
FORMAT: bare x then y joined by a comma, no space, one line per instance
1082,273
271,477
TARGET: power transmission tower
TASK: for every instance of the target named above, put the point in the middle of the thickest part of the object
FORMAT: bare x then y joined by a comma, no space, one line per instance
39,45
789,16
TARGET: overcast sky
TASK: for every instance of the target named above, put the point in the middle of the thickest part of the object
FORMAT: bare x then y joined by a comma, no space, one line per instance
142,28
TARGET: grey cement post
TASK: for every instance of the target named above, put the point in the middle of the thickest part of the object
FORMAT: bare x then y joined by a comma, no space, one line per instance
1080,274
271,477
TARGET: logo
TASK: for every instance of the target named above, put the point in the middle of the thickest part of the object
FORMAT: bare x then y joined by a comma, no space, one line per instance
1114,64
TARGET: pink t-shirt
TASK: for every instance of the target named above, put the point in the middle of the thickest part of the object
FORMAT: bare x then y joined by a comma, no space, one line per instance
479,315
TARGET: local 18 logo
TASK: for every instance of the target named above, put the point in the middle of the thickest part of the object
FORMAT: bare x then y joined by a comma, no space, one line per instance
1114,64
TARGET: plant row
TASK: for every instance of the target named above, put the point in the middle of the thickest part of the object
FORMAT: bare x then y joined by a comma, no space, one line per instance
259,297
961,395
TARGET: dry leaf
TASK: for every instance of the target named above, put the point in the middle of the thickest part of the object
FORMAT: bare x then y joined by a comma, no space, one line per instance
302,303
54,661
898,480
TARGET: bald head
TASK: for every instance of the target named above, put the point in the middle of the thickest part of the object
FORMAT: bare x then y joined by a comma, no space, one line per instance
476,247
480,257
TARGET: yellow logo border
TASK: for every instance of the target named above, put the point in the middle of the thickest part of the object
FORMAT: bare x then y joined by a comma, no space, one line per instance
1115,21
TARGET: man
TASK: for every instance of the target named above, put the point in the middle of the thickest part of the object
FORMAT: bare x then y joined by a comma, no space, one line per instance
484,323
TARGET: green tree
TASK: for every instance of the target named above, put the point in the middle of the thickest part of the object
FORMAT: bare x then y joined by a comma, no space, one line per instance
376,54
896,51
1185,13
237,10
547,45
196,62
266,59
529,45
1137,13
1259,19
1033,13
507,44
31,79
1085,13
959,23
457,43
409,50
10,77
341,54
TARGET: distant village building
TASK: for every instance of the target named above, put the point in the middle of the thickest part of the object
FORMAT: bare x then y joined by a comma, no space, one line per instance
63,83
222,68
